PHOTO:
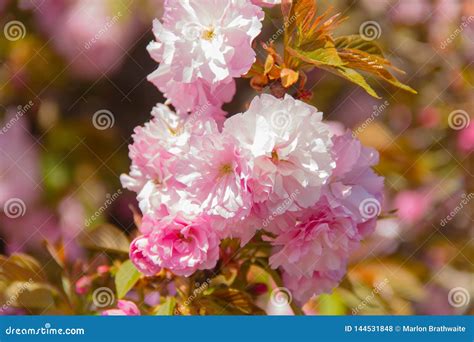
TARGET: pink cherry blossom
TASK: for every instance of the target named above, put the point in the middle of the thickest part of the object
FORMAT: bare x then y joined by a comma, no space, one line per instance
154,148
200,97
215,174
140,257
275,167
200,51
193,42
321,241
157,148
313,252
180,244
354,185
124,308
289,147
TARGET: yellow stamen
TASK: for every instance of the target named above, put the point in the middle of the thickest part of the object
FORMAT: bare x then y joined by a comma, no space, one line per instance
225,169
183,238
275,157
208,34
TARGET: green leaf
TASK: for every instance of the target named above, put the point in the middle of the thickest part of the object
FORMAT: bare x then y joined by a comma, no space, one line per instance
167,308
323,56
106,238
126,277
357,53
355,77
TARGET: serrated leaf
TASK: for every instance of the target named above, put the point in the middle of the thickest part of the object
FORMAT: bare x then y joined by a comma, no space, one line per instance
367,56
304,12
167,308
305,30
309,40
126,277
106,238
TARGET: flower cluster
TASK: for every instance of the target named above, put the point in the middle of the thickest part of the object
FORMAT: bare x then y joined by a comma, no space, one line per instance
276,167
200,51
313,253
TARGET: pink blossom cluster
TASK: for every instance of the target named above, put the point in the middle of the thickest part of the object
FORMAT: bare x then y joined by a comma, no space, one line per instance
277,167
201,46
313,253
